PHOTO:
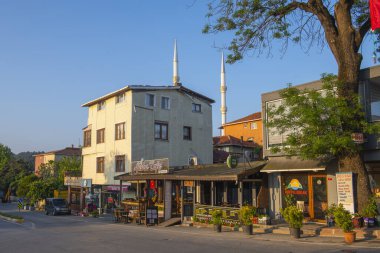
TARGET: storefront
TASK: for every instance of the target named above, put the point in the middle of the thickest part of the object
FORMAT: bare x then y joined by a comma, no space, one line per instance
312,183
188,192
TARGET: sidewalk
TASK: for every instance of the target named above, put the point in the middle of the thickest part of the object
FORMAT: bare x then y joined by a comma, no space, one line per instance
203,231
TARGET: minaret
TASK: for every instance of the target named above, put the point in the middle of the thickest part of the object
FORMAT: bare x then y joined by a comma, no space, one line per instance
175,66
223,89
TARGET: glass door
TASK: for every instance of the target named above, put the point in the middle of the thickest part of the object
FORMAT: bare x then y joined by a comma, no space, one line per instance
176,199
319,197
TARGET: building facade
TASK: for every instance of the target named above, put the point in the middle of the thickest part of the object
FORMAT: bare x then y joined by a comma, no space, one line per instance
312,182
55,156
145,122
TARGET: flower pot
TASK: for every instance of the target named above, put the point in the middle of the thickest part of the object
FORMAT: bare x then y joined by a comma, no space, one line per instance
295,232
248,229
349,237
357,222
218,228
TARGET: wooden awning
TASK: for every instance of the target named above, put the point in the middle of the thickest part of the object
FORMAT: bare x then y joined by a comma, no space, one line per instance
292,164
212,172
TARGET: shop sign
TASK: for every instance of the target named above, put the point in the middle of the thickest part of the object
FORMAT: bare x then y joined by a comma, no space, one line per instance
72,181
357,138
116,188
344,185
86,183
188,183
295,188
157,166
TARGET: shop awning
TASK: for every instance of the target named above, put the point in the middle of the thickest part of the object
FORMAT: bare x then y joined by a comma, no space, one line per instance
290,164
212,172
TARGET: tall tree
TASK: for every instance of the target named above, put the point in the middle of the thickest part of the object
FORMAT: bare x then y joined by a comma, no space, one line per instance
342,24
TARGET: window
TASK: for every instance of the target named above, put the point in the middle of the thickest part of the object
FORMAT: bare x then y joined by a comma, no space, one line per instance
120,98
149,100
197,108
253,126
87,138
187,133
100,164
100,136
120,163
161,131
165,103
101,105
120,131
245,125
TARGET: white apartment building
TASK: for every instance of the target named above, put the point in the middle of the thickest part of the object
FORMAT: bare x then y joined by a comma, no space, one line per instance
145,122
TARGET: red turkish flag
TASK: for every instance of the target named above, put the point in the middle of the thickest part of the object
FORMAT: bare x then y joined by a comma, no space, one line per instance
374,12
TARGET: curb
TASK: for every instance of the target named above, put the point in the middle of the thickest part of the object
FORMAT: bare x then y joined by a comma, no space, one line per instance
11,219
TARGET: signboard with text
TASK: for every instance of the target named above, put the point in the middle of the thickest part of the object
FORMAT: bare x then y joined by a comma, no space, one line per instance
344,185
157,166
72,181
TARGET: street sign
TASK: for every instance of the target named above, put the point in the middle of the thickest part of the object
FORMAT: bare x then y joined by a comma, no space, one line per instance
19,204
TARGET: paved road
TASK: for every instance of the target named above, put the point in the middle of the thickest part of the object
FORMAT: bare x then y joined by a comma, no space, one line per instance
42,233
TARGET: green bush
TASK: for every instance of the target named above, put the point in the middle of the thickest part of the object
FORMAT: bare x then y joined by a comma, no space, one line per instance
330,211
293,216
216,217
95,213
290,200
246,214
11,216
370,210
343,219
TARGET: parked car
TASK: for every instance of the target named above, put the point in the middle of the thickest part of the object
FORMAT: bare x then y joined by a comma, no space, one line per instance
56,206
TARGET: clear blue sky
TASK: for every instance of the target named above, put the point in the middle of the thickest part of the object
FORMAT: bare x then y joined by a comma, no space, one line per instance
57,55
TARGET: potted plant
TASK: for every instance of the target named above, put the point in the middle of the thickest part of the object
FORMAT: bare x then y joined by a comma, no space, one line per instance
216,219
370,212
357,220
343,219
294,217
330,215
264,219
246,214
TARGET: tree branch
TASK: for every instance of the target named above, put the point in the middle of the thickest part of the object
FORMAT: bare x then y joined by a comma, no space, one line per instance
361,32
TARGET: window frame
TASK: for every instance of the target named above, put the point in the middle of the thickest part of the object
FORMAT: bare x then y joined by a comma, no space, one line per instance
190,137
117,159
253,126
117,137
101,105
162,98
195,106
87,138
98,141
100,161
147,95
118,100
161,124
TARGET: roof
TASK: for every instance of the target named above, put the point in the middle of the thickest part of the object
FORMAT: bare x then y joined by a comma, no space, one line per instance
219,156
150,88
70,151
228,140
210,172
251,117
286,164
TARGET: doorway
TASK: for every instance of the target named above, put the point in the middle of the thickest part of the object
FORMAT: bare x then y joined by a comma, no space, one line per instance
318,196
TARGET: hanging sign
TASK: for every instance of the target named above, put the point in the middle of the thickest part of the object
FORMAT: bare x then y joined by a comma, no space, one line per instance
232,161
72,181
157,166
344,185
358,138
188,183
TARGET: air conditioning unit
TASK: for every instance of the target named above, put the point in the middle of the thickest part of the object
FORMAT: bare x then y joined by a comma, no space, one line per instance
193,160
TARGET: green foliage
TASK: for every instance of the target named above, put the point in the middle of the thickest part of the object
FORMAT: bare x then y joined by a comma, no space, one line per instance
290,200
17,217
216,217
5,155
246,213
255,24
330,211
370,210
318,124
43,188
293,216
343,219
24,185
95,213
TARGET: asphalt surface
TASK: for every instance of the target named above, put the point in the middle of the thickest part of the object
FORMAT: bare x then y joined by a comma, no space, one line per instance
41,233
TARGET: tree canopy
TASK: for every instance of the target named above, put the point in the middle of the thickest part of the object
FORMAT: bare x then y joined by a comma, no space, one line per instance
316,122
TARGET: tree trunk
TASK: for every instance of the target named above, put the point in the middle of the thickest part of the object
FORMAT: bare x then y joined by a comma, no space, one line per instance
354,163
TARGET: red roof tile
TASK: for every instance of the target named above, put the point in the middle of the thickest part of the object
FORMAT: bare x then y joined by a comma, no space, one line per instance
253,116
229,140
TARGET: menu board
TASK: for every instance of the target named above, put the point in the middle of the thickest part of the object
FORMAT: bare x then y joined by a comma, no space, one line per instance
344,185
151,215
